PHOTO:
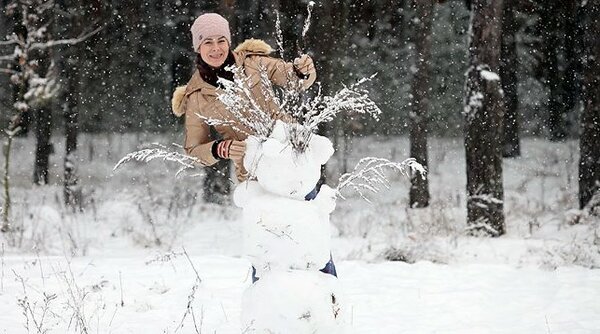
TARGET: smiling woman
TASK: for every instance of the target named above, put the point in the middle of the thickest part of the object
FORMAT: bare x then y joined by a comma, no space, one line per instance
198,100
214,51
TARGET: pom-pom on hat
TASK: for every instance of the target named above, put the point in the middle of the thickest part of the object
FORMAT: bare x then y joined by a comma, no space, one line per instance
208,25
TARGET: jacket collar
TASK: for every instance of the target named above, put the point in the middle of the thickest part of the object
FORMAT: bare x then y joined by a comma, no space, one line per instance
197,84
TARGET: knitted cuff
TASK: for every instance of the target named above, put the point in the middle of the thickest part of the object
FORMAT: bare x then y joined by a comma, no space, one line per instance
221,149
214,149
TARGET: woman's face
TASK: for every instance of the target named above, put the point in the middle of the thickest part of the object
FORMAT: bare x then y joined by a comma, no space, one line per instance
214,51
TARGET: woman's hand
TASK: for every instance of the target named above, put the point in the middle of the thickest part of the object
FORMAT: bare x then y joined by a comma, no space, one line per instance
305,65
233,150
237,150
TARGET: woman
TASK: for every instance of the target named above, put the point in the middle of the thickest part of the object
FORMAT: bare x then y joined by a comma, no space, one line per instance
212,42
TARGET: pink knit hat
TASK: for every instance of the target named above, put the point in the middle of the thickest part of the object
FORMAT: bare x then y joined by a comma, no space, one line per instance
208,25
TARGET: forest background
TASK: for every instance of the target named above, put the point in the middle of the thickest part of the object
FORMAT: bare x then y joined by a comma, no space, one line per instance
125,74
491,71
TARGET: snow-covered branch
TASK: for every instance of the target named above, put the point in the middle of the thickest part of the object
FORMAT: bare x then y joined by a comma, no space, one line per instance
69,41
8,42
369,175
279,35
309,8
149,154
302,112
240,101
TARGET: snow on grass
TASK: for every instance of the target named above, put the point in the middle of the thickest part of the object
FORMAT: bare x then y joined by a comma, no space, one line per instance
535,279
126,295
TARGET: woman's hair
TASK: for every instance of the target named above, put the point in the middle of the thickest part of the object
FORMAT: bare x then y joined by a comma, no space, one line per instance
210,74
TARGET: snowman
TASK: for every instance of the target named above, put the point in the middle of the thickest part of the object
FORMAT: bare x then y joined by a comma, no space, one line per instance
287,237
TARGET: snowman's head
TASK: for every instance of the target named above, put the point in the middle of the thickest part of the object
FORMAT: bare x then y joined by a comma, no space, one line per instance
282,170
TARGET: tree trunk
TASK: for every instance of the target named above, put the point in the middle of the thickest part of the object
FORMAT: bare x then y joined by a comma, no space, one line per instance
23,116
508,75
419,189
483,112
69,78
71,192
43,129
550,21
589,163
6,185
572,51
324,48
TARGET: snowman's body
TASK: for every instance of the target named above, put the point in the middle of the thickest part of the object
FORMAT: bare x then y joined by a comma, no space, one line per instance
287,238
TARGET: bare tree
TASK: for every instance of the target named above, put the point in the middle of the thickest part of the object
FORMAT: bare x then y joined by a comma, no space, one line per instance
589,163
419,189
483,111
34,79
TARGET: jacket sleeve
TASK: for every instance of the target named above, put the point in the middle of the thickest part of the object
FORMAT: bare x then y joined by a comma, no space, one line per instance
198,142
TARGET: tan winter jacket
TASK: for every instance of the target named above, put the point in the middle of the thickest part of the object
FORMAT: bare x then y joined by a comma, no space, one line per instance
200,98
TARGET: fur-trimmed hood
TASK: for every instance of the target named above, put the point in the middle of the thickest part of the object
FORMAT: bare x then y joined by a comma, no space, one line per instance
248,47
255,46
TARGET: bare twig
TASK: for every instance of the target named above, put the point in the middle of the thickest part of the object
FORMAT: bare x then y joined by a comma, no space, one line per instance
160,152
279,35
189,308
309,8
8,42
29,309
121,287
369,175
164,257
77,297
70,41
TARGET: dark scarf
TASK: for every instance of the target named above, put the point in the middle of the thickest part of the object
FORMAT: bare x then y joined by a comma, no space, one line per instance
210,74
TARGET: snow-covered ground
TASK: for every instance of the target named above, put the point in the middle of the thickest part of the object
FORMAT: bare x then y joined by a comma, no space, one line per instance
119,266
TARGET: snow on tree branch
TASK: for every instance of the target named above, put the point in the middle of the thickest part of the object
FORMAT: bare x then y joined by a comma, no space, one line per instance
310,113
481,225
239,100
8,42
309,7
279,35
69,41
302,112
369,175
159,152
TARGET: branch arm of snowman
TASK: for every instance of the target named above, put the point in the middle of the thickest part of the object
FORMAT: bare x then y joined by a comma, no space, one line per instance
159,152
369,175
